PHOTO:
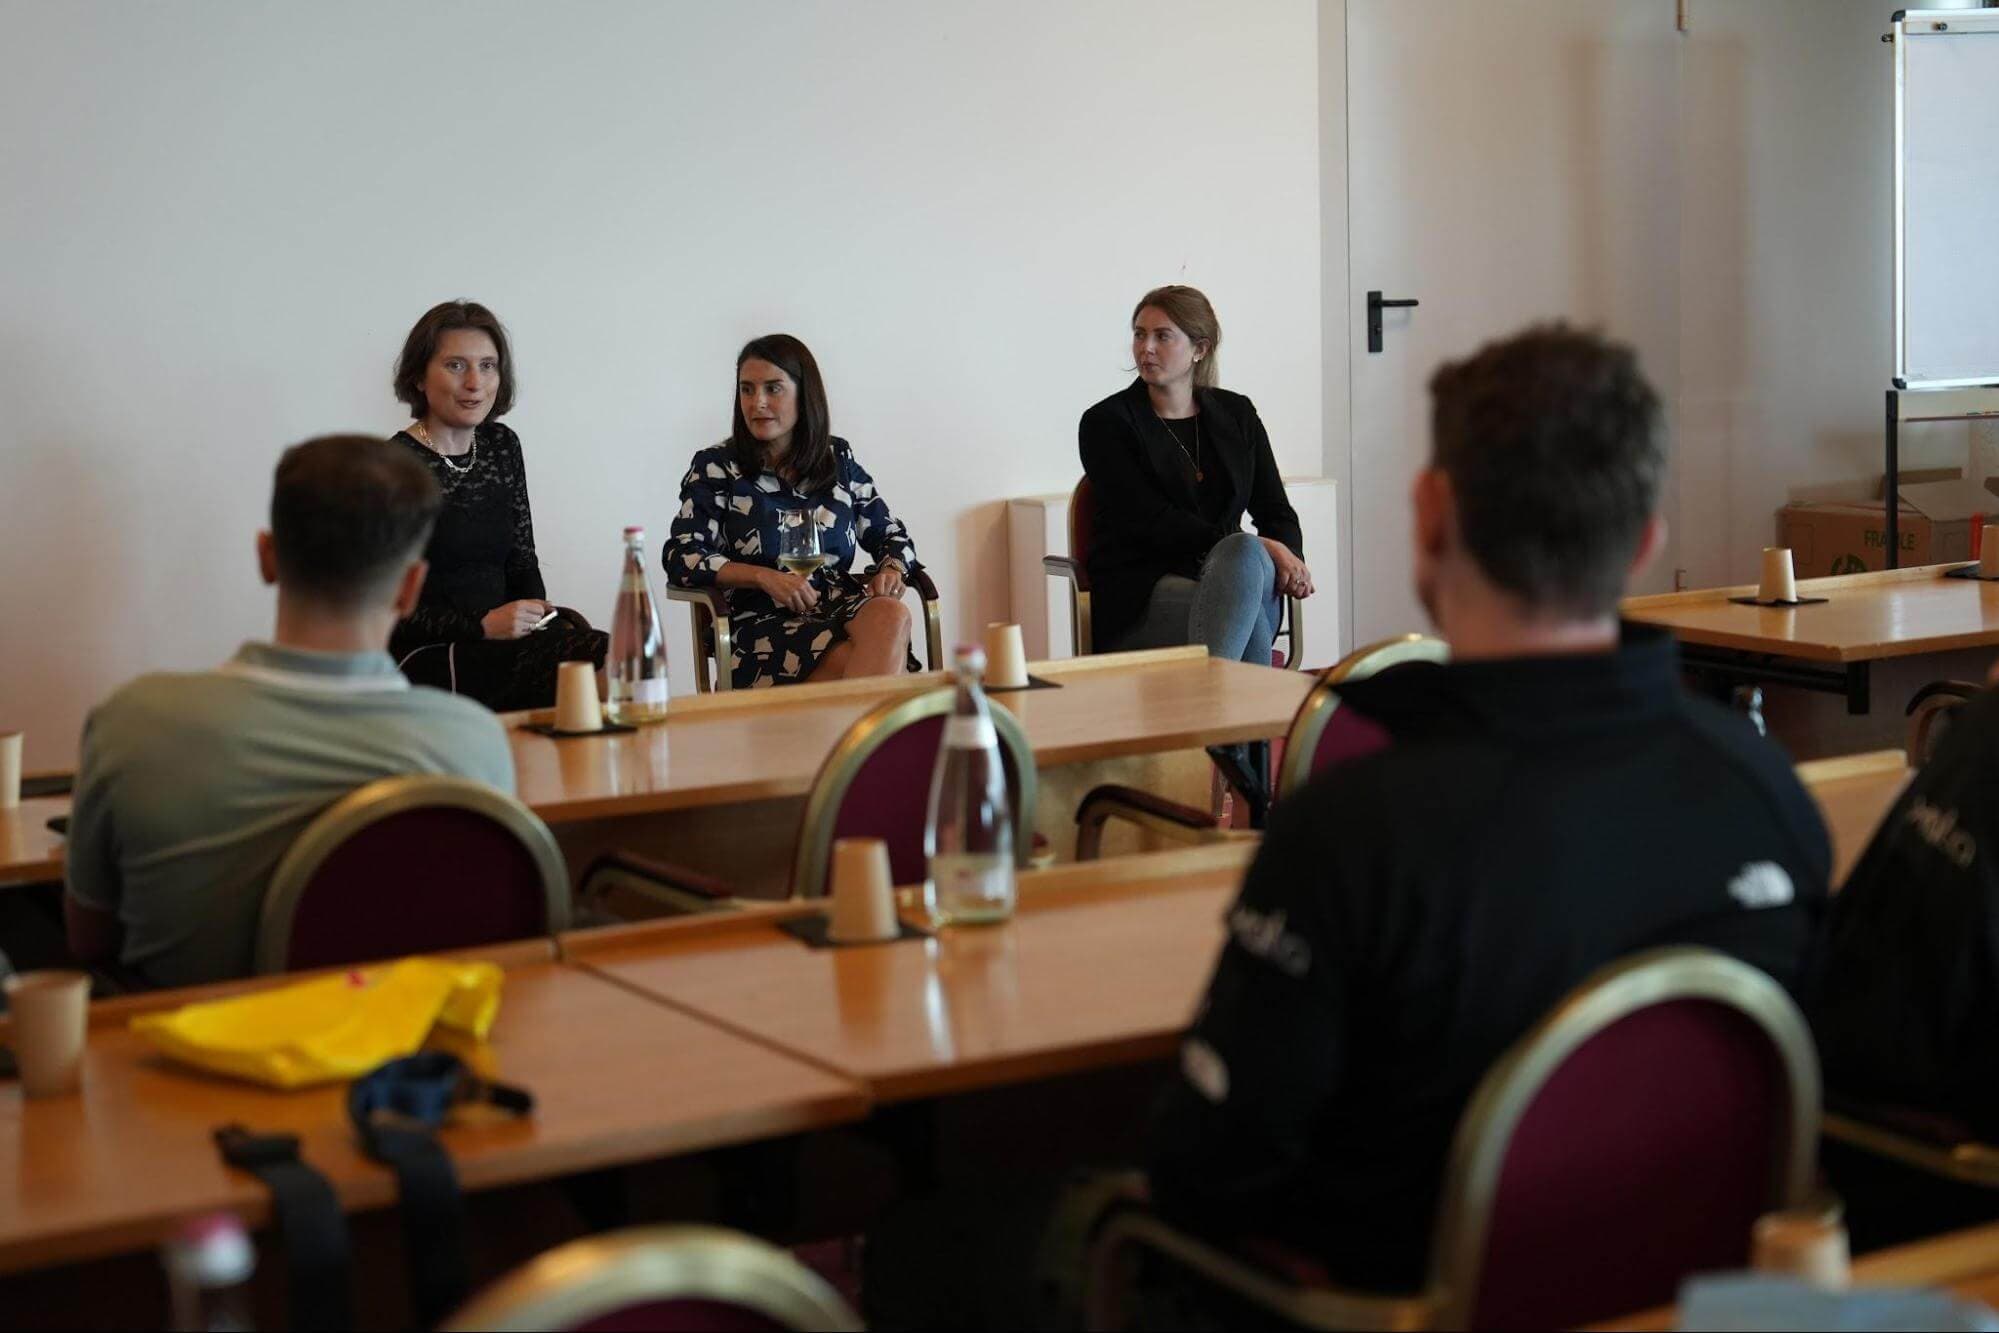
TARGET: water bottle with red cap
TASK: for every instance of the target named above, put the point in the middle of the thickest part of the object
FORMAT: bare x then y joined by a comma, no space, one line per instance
209,1260
969,838
636,667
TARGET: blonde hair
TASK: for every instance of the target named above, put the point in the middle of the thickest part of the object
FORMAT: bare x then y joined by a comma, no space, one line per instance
1192,315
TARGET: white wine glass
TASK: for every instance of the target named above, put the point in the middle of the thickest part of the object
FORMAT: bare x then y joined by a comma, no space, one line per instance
798,550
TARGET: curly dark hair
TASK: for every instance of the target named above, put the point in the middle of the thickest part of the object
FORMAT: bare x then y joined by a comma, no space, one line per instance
1553,444
421,346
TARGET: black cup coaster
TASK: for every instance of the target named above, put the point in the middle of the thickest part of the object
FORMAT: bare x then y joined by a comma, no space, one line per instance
1802,601
1966,572
812,929
550,730
1033,683
48,784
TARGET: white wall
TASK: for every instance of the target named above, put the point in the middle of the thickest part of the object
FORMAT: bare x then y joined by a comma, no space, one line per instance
1786,334
218,222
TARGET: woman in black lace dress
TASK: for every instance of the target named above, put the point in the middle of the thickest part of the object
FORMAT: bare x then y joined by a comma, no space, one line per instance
782,465
482,627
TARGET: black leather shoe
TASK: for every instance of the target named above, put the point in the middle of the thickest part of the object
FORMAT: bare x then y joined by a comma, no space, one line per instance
1241,769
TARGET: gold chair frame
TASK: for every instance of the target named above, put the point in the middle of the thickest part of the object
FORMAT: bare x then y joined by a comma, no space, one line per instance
1301,742
1969,1162
1485,1132
574,1283
1931,705
708,609
1069,568
868,734
378,800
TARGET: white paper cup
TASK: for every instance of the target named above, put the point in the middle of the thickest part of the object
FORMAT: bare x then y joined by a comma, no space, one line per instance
10,769
863,892
576,698
50,1010
1006,657
1780,583
1988,552
1804,1244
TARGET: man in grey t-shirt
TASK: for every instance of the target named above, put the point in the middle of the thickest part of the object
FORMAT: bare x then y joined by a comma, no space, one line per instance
192,787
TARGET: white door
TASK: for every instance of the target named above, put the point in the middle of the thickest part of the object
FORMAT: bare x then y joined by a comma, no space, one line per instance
1508,163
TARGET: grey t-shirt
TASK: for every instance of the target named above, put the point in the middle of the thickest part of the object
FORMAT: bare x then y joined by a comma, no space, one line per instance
192,787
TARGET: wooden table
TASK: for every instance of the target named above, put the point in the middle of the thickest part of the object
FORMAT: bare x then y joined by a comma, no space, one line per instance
29,852
1965,1261
719,787
1854,792
1867,618
1103,964
617,1078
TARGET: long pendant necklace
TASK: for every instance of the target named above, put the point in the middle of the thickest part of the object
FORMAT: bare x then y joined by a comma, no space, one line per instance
471,455
1195,456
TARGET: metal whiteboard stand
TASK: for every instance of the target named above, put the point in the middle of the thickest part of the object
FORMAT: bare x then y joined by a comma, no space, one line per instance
1969,403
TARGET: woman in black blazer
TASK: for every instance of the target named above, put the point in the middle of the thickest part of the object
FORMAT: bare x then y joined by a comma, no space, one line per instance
1174,461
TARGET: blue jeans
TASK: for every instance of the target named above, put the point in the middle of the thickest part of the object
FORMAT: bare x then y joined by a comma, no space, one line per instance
1232,608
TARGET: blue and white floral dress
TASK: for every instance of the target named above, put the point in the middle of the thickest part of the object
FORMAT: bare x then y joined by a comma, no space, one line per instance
726,515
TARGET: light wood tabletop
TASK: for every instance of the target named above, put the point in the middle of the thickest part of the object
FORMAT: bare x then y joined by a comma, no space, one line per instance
1865,617
30,852
1854,793
617,1078
761,744
1967,1262
1102,964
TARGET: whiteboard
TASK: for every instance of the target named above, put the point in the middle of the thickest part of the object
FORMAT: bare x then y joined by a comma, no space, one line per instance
1946,198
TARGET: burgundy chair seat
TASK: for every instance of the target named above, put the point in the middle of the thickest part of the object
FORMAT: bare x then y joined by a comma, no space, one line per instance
890,797
414,882
1645,1157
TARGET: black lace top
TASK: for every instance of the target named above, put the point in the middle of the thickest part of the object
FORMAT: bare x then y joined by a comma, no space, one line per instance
482,552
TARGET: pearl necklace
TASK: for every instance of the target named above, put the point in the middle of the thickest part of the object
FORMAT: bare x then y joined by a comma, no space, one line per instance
471,455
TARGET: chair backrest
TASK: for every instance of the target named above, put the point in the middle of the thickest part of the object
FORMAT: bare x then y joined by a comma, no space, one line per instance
1321,733
408,865
1931,711
876,784
1082,524
1630,1139
665,1277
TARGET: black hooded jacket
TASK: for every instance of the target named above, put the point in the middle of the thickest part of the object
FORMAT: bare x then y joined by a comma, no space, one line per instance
1413,912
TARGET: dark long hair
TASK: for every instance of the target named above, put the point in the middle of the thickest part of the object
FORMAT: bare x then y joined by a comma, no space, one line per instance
811,456
421,346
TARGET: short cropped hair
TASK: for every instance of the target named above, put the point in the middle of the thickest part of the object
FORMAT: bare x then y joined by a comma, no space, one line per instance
1553,444
421,346
348,514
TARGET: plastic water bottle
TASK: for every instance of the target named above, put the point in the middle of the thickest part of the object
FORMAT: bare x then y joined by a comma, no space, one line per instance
636,668
209,1260
969,839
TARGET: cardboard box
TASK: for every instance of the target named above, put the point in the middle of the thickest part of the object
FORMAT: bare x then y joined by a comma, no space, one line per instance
1938,522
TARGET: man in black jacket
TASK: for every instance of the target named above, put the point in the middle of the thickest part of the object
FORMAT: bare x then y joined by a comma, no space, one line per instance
1546,803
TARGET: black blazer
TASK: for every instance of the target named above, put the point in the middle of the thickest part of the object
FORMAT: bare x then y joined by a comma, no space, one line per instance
1148,519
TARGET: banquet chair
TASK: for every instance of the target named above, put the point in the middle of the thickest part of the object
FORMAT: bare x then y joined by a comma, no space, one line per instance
1071,569
714,644
1931,711
875,783
659,1277
1317,738
408,865
1629,1139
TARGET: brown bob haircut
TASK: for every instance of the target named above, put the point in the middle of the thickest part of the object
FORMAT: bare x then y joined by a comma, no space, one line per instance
1194,316
421,346
811,457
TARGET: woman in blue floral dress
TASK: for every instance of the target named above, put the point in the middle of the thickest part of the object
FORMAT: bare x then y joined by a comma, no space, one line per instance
782,465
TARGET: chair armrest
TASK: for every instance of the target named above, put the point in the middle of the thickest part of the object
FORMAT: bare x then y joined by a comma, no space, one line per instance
646,883
1930,705
1170,819
1294,630
710,608
933,620
1065,567
1070,568
1936,1144
1308,1304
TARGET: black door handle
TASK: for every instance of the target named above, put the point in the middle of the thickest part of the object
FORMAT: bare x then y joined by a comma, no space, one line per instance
1375,305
